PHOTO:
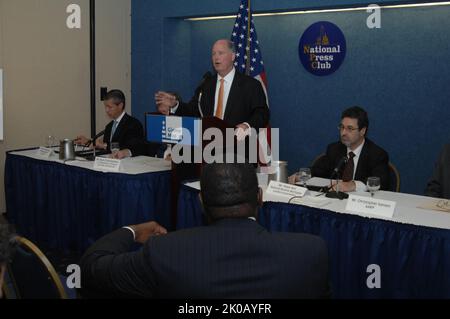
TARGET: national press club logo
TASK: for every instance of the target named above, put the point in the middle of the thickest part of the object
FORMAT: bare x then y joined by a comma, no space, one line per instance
322,48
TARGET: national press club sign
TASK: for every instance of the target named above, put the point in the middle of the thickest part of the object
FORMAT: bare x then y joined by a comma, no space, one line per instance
322,48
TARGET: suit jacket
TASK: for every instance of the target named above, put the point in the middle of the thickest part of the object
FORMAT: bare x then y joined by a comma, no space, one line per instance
373,161
246,102
232,258
129,134
439,183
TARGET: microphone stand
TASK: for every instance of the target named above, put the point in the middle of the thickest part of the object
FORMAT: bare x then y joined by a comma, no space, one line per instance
198,105
93,144
336,194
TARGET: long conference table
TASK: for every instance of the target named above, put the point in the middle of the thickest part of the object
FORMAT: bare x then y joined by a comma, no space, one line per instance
68,205
412,249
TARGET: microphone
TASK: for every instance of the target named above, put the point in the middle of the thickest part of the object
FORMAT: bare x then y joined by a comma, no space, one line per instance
336,170
338,167
205,77
199,90
95,138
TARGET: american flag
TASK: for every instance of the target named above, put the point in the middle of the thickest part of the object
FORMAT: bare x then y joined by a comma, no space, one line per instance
249,61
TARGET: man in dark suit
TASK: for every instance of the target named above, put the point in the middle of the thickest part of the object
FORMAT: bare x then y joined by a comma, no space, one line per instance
439,184
233,257
123,129
234,97
363,158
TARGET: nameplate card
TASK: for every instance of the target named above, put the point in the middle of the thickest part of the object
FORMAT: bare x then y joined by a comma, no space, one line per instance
370,205
107,164
44,152
285,190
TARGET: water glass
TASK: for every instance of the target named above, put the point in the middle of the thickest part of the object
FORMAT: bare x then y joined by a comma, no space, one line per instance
373,184
50,141
115,147
303,175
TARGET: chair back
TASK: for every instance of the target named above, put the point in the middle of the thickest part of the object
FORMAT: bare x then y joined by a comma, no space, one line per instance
32,275
394,178
318,158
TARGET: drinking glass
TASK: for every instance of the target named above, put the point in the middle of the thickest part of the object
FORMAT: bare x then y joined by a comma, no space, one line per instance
303,175
115,147
50,141
373,184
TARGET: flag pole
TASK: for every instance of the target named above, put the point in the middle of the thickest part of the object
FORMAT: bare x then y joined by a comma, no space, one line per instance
249,23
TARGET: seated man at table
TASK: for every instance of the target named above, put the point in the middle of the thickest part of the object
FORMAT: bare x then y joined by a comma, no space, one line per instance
439,184
358,156
233,257
123,129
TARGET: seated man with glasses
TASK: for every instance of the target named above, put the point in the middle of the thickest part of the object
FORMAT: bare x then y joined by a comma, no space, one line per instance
363,158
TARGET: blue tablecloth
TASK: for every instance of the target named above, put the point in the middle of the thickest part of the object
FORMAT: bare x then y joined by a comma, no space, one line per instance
67,208
414,261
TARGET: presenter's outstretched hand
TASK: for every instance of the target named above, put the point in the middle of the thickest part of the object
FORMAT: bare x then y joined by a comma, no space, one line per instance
165,101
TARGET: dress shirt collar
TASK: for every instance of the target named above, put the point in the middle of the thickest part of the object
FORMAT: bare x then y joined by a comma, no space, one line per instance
120,118
357,150
229,77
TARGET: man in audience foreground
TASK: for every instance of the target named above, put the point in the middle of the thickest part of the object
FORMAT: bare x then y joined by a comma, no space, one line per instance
233,257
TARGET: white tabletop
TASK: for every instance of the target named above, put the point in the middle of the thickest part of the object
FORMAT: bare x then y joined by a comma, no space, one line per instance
133,165
406,210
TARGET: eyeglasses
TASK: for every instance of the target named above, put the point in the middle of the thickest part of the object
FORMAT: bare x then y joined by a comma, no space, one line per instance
348,128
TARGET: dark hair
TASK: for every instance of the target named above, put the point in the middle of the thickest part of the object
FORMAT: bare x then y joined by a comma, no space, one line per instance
117,96
229,190
358,113
6,243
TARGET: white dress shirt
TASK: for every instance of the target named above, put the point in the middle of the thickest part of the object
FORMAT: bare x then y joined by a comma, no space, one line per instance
228,81
117,120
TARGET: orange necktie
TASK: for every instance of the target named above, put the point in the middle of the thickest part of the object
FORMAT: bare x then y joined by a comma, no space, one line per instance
219,109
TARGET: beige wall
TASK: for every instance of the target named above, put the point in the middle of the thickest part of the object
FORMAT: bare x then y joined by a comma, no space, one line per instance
46,69
113,51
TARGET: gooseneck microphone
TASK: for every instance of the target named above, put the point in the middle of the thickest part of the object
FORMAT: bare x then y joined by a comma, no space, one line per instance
334,174
338,167
199,90
95,138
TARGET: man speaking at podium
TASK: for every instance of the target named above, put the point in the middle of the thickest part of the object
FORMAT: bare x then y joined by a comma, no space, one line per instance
236,98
